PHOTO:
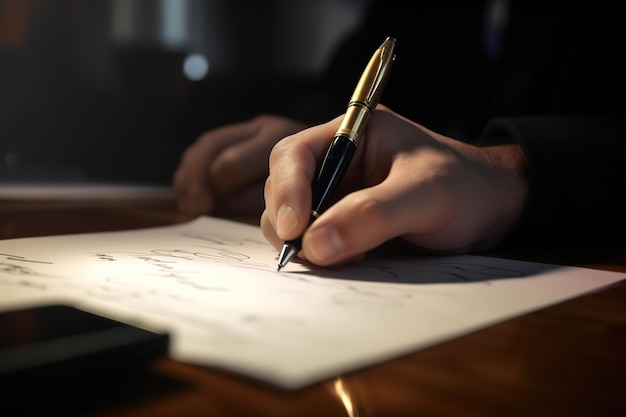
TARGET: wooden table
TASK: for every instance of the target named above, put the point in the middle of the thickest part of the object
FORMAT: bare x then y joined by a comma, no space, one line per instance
565,360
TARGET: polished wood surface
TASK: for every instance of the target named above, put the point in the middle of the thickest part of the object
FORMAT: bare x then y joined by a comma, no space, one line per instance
565,360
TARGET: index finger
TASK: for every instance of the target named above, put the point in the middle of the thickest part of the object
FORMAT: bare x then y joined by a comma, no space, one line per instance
292,165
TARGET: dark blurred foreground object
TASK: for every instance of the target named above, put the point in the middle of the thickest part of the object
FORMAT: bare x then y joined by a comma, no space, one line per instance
50,353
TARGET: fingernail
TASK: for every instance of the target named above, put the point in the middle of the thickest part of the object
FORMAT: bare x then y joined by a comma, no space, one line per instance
286,220
325,242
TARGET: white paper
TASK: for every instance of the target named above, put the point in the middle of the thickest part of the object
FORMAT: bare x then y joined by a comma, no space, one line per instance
213,285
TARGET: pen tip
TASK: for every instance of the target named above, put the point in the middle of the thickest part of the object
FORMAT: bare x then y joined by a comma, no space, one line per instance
288,252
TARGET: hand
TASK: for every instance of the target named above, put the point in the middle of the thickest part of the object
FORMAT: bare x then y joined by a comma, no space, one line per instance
404,181
226,167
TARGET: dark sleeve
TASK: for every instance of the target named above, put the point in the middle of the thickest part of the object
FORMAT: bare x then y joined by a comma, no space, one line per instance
577,178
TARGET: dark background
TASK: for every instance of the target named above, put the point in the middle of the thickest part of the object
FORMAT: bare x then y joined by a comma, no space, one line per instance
95,90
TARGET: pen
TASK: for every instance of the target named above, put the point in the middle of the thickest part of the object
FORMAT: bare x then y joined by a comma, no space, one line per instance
341,150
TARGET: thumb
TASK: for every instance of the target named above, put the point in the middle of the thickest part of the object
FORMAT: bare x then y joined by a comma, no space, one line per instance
356,224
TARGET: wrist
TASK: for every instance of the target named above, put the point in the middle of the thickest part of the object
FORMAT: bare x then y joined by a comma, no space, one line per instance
506,163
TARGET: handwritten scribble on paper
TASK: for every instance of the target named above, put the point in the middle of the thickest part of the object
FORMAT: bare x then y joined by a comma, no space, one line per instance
213,284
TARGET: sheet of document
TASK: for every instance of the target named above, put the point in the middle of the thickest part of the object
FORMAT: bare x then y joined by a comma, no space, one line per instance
213,285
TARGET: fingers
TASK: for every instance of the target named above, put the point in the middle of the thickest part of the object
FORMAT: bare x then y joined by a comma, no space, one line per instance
351,227
288,195
246,161
225,168
191,187
272,237
192,178
365,219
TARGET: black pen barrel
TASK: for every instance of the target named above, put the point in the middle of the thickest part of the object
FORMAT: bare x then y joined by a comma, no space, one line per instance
331,171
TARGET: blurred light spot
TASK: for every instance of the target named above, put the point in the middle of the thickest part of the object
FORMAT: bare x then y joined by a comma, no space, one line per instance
174,22
195,67
345,398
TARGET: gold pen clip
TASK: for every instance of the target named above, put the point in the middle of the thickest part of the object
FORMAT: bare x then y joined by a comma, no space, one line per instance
386,55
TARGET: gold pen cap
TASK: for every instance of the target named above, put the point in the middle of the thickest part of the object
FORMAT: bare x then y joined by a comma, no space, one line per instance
368,91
